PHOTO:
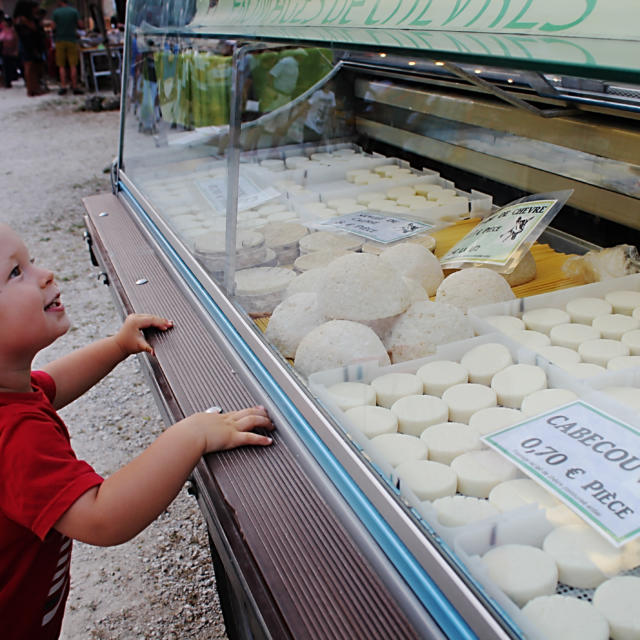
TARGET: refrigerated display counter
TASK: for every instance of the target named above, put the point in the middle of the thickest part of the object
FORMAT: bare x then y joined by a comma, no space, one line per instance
262,147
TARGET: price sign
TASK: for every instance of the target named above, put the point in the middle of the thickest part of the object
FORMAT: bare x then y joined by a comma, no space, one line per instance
375,226
588,459
249,193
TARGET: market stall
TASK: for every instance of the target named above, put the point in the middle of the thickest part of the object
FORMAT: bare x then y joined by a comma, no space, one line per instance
320,205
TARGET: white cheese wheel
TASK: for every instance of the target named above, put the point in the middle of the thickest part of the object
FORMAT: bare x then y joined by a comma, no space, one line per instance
335,203
491,419
393,386
369,196
627,395
485,360
338,343
632,340
506,324
355,174
259,290
438,375
583,370
532,339
316,259
514,494
559,355
559,617
601,350
291,320
411,201
623,301
416,413
617,600
428,480
396,192
546,399
448,440
272,164
584,310
584,557
327,241
416,262
544,319
306,282
480,471
623,362
424,188
423,327
348,395
572,334
282,234
517,381
465,399
457,511
521,571
473,287
614,325
397,448
361,286
373,421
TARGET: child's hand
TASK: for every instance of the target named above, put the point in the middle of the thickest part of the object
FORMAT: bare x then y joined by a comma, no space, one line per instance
230,430
130,338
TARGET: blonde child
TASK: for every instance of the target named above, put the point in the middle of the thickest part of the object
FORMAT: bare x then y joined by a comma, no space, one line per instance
47,496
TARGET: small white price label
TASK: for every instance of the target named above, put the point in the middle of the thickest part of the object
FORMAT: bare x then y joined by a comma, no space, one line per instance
375,226
587,458
249,193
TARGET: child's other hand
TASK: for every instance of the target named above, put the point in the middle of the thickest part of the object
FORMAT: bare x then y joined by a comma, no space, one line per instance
130,338
229,430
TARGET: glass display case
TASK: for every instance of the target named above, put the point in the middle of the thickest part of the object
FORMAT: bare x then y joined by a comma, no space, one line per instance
283,170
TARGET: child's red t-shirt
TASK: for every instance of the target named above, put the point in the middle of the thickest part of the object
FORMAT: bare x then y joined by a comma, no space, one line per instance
40,478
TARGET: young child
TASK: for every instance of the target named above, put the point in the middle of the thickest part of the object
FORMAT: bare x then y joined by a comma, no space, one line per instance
47,496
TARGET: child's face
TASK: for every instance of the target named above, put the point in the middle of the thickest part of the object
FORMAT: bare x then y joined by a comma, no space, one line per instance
31,314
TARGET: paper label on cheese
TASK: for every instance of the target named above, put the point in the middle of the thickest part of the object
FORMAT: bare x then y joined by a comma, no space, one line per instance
375,226
249,193
587,458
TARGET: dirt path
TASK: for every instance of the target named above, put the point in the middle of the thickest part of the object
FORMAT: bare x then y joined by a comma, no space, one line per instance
159,585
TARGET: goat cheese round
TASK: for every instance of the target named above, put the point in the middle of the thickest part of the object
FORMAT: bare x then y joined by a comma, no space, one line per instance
485,360
632,340
506,324
393,386
583,370
448,440
486,421
584,310
515,382
473,287
544,319
623,362
373,421
428,480
614,325
545,399
348,395
559,355
623,301
480,471
521,571
617,600
532,339
397,448
456,511
416,262
465,399
572,334
601,350
416,413
438,375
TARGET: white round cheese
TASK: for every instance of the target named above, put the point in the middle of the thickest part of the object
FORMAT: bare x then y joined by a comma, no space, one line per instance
584,310
327,241
544,319
584,557
623,362
623,301
465,399
397,448
517,381
521,571
532,339
396,192
485,360
546,399
506,324
473,287
632,340
348,395
457,511
438,375
369,196
480,471
559,355
393,386
416,413
491,419
583,370
559,617
428,480
614,325
572,335
617,600
373,421
416,262
448,440
260,289
306,282
601,350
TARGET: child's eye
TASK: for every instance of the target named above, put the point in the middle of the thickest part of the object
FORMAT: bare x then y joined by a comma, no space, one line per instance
15,272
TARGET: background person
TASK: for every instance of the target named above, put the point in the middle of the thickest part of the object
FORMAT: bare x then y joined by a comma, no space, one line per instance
66,20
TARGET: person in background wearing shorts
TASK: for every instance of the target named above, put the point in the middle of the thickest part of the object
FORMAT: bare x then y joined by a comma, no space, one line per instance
66,20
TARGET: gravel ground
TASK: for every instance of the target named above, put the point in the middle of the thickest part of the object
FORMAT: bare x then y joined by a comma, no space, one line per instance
160,584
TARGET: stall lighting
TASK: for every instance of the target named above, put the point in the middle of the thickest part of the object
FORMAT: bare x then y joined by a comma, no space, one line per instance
412,63
510,80
383,55
439,64
477,70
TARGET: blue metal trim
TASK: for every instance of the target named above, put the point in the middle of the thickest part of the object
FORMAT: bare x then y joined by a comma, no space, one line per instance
420,583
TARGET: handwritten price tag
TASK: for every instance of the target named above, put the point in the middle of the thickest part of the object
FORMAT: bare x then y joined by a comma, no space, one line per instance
588,459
